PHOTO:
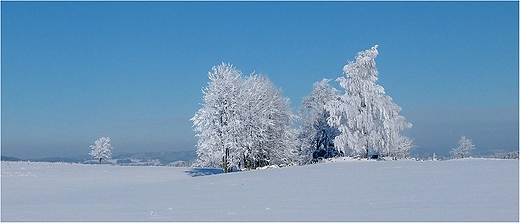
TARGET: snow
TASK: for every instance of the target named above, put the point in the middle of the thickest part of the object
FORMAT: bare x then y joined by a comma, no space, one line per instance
244,121
367,118
349,190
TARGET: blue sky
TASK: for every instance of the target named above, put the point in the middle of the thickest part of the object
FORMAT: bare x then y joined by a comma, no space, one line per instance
133,71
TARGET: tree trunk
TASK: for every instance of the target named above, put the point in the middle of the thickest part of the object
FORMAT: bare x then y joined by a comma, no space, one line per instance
224,166
99,160
225,161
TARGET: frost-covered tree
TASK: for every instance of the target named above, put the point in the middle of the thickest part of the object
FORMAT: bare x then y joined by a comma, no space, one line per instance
267,119
315,133
216,121
101,149
465,147
366,117
244,122
401,148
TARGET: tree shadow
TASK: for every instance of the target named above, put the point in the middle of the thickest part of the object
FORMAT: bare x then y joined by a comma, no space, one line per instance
198,172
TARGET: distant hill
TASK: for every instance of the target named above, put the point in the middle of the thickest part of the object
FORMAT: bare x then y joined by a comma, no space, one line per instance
144,158
67,159
164,157
9,158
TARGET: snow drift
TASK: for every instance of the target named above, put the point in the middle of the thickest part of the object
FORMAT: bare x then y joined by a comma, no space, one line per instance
455,190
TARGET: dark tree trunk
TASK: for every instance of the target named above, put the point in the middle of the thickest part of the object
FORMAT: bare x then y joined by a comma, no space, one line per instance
225,165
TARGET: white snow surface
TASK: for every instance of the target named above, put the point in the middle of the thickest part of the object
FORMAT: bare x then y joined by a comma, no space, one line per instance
350,190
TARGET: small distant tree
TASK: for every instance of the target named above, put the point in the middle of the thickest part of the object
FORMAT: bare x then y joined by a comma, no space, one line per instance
465,147
401,148
101,149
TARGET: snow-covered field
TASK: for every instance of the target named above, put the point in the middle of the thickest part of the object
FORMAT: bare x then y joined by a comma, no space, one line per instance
455,190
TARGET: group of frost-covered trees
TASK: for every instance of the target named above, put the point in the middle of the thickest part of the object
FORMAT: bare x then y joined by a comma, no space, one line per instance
245,122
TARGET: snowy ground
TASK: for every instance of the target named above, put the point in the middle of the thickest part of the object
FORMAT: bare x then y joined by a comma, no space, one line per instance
455,190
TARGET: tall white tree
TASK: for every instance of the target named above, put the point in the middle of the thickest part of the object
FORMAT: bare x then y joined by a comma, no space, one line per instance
315,133
101,149
278,136
243,122
269,137
366,117
216,120
465,147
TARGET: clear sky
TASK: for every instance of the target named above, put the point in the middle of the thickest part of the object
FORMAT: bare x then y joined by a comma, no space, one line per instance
133,71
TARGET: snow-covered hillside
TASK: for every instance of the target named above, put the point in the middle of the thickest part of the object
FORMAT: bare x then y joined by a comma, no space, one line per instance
455,190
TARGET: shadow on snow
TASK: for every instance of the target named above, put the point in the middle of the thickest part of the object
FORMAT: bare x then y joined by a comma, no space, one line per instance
198,172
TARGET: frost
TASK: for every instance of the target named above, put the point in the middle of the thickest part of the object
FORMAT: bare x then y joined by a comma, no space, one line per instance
465,147
243,123
315,134
366,117
101,149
